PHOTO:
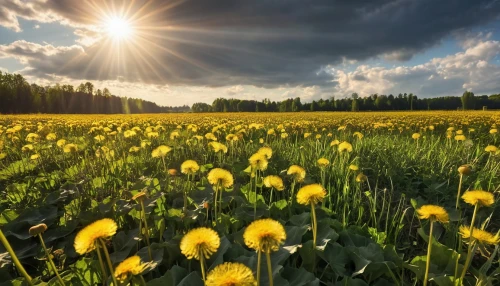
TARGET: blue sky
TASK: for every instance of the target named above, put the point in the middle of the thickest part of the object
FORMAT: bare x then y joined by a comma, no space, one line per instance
197,51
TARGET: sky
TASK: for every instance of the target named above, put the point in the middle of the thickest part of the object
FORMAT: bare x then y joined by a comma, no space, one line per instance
185,51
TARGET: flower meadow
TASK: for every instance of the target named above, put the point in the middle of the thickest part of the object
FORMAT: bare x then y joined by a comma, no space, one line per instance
400,198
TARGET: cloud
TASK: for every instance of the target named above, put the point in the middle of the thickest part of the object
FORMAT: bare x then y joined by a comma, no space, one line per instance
36,27
264,43
448,76
234,90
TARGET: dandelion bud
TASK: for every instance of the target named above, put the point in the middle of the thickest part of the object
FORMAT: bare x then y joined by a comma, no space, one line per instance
172,172
465,170
139,196
38,229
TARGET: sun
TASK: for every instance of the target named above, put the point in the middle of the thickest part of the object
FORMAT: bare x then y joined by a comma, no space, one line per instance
118,28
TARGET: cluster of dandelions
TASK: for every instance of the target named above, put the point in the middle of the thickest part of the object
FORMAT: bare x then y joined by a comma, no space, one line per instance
470,235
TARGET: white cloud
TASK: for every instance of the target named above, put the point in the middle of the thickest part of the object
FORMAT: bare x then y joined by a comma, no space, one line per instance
235,90
471,69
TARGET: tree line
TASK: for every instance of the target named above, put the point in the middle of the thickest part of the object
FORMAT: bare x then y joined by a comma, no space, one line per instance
374,102
18,96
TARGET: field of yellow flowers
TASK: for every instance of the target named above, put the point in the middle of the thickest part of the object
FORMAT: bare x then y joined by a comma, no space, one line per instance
250,199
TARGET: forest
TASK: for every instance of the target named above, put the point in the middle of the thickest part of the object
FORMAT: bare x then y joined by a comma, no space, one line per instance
18,96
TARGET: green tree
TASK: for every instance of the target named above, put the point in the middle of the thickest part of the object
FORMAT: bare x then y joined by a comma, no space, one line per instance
468,100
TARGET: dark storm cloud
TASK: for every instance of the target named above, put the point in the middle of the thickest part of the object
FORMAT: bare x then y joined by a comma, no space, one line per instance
265,42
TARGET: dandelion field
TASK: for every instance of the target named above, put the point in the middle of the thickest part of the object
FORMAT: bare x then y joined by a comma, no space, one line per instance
403,198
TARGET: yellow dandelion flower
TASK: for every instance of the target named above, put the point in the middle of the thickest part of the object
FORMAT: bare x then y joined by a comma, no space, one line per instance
99,138
218,176
480,197
480,235
358,134
51,136
415,136
275,182
323,162
189,167
129,133
134,149
85,240
130,266
70,148
266,151
361,178
2,155
231,274
307,135
491,149
345,146
334,143
61,143
494,131
27,148
201,240
265,235
258,161
161,151
433,212
298,173
353,167
218,147
35,157
460,138
311,194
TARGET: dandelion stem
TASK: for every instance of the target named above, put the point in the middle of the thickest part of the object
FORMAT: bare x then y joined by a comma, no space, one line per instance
314,226
202,265
16,261
103,268
146,230
269,268
471,242
143,282
459,191
108,260
429,248
258,266
51,263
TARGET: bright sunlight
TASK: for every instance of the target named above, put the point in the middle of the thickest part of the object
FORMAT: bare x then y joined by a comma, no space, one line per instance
118,28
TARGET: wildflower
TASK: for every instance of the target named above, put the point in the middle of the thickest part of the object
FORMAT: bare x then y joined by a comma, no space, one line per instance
218,147
2,155
35,157
334,143
85,240
189,167
51,136
415,136
70,148
264,235
271,132
200,242
161,151
152,134
307,135
27,148
433,212
284,135
61,143
99,138
490,148
361,178
258,161
174,135
273,181
345,146
218,176
358,134
266,151
480,197
172,172
480,235
211,136
494,131
323,162
139,196
353,167
129,266
231,274
460,138
311,194
134,149
129,133
297,172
